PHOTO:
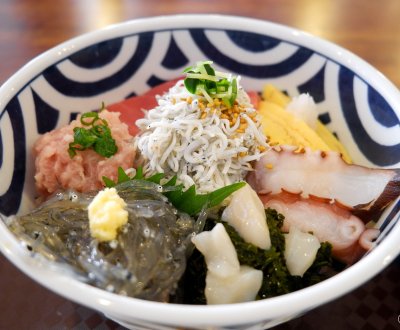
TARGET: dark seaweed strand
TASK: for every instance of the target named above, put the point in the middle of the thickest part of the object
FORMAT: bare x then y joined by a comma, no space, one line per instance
277,279
193,281
271,262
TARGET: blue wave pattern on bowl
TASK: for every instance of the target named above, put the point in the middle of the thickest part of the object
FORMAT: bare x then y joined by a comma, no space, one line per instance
116,69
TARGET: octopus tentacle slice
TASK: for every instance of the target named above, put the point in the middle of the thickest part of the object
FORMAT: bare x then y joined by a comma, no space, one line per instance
325,175
328,222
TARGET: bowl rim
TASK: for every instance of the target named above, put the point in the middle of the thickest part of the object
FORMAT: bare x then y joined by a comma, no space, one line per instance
119,307
193,315
321,46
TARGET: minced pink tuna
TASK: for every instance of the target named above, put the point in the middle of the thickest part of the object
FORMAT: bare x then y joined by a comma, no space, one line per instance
55,169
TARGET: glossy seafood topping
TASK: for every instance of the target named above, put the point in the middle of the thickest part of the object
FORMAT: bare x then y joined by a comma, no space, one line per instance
147,258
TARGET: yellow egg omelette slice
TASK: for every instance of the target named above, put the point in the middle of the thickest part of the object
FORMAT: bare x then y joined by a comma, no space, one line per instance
283,128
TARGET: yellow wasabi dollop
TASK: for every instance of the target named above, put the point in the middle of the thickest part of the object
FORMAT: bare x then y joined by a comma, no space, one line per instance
107,213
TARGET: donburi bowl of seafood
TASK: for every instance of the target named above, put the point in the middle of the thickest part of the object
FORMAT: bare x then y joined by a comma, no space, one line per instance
199,171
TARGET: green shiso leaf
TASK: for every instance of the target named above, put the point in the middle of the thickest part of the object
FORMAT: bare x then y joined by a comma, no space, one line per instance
192,203
185,201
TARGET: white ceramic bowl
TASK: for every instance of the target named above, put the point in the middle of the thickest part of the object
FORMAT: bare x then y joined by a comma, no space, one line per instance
356,102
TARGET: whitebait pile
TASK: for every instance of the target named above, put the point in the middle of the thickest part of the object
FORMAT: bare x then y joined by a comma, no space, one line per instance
201,139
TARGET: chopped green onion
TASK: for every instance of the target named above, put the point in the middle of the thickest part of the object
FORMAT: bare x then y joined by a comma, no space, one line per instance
225,75
97,136
206,95
202,79
201,76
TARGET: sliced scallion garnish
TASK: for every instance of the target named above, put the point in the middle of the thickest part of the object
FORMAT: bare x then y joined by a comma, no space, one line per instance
94,134
202,79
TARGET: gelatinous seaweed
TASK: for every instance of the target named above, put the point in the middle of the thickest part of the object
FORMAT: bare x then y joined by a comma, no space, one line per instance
146,260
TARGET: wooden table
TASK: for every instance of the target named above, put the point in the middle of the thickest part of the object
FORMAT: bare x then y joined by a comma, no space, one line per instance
369,28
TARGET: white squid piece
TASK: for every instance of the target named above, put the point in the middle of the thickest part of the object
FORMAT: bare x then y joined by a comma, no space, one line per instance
300,251
246,214
239,287
226,281
218,251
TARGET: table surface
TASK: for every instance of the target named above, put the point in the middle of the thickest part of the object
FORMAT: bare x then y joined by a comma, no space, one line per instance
370,29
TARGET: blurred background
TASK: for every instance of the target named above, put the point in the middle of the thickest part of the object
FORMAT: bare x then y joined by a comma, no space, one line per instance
369,28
